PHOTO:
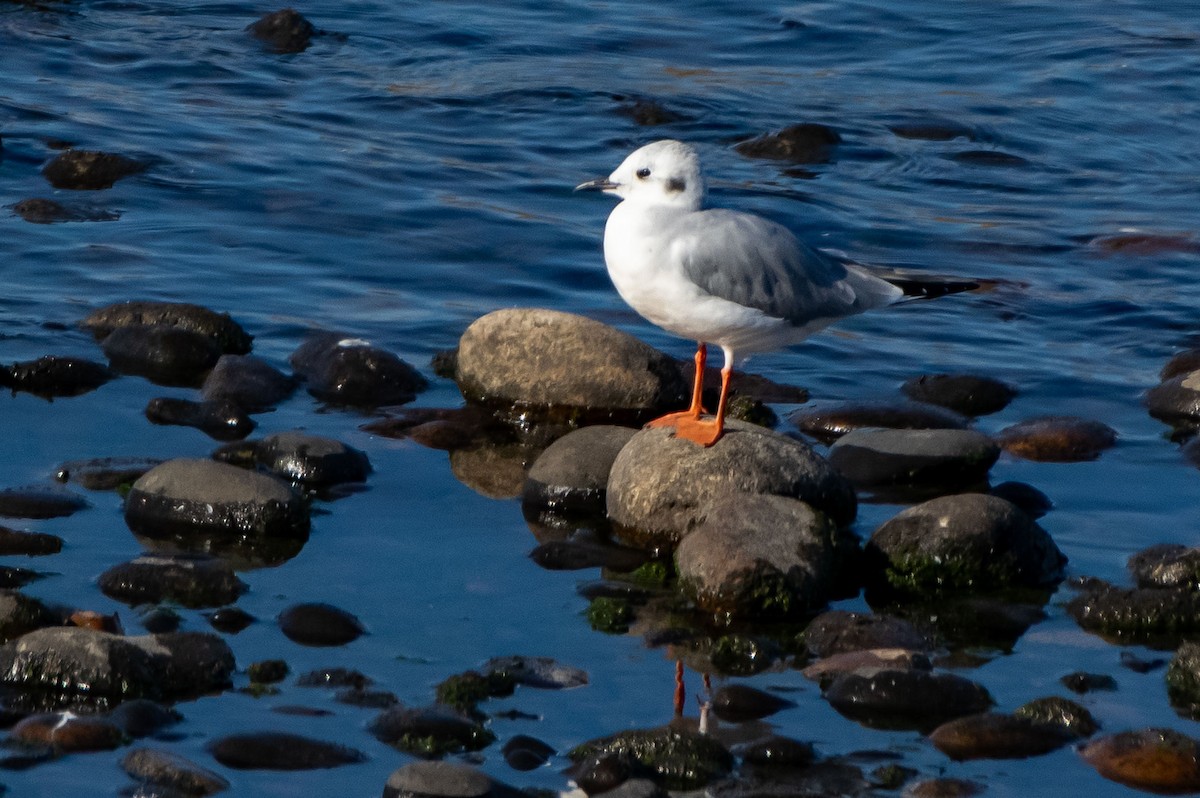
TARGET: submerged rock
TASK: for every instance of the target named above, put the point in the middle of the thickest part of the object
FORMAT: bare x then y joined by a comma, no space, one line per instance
65,732
1182,363
1167,565
39,502
170,771
273,750
675,758
89,170
1156,760
660,487
830,421
905,698
163,355
557,366
222,421
1159,615
1061,712
318,624
247,381
53,376
350,372
523,752
105,473
40,210
309,460
284,31
432,731
807,142
842,631
970,394
30,544
226,333
738,703
1057,439
967,543
140,717
944,457
20,614
542,673
993,735
571,475
189,580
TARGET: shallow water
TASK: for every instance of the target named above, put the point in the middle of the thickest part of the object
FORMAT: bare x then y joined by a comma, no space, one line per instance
413,169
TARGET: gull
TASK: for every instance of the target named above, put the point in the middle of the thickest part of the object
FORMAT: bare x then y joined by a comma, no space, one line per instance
725,277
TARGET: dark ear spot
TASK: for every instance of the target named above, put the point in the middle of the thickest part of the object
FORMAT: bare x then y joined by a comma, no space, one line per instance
676,184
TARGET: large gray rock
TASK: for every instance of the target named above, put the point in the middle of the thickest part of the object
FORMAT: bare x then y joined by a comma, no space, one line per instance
870,457
660,486
757,556
563,366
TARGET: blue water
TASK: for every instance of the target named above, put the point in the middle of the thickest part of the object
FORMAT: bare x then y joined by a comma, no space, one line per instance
413,169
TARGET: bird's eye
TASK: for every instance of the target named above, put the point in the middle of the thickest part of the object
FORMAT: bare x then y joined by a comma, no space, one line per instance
643,173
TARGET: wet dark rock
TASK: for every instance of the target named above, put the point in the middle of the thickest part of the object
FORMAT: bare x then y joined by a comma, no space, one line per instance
249,382
967,543
1158,615
991,158
284,31
559,366
778,752
11,577
523,752
1141,664
54,376
842,631
660,487
1061,712
228,335
170,771
334,677
1156,760
1167,565
758,556
649,113
578,554
825,670
430,731
369,699
310,460
268,671
222,421
464,691
347,371
969,394
20,614
677,759
906,699
1176,400
140,717
67,733
317,624
71,666
830,421
39,210
803,143
601,773
189,580
743,655
1184,362
571,475
436,779
271,750
158,620
31,544
932,130
738,703
943,788
945,457
1057,439
39,502
993,735
186,497
543,673
230,620
1027,498
611,616
1081,682
105,473
163,355
1146,243
89,170
1183,679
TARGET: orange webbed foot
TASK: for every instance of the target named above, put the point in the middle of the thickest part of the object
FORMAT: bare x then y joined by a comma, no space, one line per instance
690,427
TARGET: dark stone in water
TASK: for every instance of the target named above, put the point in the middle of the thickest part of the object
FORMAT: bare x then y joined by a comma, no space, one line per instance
67,733
831,421
1183,363
39,502
1162,761
1183,679
53,376
942,457
247,381
20,614
11,577
89,170
1061,712
993,735
189,580
370,699
969,394
140,717
311,460
272,750
602,773
334,677
317,624
267,671
842,631
738,703
1057,439
778,752
172,773
284,31
1027,498
523,752
906,699
227,333
1157,615
347,371
105,473
159,620
649,113
30,544
39,210
1081,682
803,143
430,732
443,780
163,355
575,555
571,475
222,421
1176,400
230,620
678,759
967,543
540,672
1167,565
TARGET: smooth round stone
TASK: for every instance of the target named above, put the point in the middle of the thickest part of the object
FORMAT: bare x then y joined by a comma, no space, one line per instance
1027,498
1176,400
842,631
223,330
222,421
270,750
1182,363
105,473
29,544
437,779
1156,760
163,355
571,475
318,624
230,620
660,487
970,394
89,170
310,460
170,770
905,698
738,703
429,731
992,735
187,497
779,752
65,732
966,543
40,502
870,457
192,581
558,365
346,371
248,381
758,556
523,752
830,421
1057,439
52,376
807,142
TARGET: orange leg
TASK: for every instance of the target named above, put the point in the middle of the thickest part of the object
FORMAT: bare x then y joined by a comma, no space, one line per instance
679,689
688,424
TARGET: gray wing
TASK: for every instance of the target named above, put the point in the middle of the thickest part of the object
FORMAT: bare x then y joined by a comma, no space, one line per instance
757,263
